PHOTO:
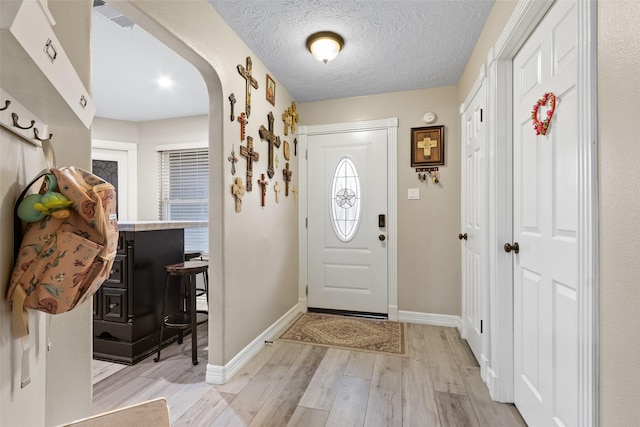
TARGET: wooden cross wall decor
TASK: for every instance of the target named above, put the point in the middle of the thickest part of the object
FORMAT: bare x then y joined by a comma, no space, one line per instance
263,183
290,118
285,150
242,118
250,81
286,174
237,190
252,156
294,116
272,139
286,118
276,189
232,100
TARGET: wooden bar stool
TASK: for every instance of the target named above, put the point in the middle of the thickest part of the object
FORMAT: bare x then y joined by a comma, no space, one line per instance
189,317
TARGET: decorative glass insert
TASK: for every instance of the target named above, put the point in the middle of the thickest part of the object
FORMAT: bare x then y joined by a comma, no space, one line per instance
345,200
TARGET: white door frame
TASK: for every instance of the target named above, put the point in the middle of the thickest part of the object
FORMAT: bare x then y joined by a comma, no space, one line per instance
391,125
500,378
131,150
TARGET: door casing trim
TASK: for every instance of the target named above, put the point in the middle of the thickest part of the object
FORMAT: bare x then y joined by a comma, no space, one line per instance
391,125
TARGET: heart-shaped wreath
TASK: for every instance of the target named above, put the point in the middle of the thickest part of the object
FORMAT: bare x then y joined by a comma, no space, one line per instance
542,127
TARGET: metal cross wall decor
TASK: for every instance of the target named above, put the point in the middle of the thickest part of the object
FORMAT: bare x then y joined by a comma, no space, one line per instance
252,156
233,159
286,175
272,139
232,100
263,183
250,81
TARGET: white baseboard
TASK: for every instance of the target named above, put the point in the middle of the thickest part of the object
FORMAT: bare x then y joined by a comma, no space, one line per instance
490,381
392,314
217,374
484,367
430,319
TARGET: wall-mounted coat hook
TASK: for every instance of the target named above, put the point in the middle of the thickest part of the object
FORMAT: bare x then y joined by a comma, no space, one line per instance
15,119
6,105
36,135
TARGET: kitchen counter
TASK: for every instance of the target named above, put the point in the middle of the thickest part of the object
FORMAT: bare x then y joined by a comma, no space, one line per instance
127,309
159,225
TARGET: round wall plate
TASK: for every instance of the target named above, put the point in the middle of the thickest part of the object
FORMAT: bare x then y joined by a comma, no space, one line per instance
429,117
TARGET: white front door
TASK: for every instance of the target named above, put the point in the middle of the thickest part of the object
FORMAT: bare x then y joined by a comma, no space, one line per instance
545,224
347,213
474,220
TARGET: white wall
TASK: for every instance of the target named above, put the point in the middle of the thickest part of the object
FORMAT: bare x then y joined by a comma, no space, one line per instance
60,388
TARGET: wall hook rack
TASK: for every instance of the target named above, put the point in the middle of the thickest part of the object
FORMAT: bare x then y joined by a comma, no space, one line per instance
10,116
430,172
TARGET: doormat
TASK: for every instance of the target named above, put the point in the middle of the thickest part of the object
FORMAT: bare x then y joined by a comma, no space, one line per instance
375,336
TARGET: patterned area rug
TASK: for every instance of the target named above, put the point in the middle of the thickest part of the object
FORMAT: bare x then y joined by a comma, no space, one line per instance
352,333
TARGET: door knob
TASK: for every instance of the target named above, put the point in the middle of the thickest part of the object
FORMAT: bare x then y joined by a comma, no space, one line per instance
509,247
381,237
462,236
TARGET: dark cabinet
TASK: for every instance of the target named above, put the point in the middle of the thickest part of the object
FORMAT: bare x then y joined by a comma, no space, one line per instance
128,306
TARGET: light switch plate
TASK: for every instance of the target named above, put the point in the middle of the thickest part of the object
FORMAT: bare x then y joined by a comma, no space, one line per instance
413,193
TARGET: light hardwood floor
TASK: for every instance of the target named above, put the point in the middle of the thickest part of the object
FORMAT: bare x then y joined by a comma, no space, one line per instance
289,384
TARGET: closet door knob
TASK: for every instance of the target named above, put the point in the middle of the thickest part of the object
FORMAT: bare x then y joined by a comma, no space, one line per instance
462,236
509,247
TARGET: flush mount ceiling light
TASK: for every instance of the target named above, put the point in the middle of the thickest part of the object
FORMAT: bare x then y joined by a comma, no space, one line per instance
325,45
164,82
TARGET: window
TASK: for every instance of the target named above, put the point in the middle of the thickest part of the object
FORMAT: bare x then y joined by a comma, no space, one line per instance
345,197
184,192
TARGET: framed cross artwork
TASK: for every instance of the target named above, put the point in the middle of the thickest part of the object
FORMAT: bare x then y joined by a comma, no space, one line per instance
427,146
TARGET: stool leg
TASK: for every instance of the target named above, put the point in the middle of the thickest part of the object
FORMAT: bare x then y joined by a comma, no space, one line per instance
206,287
194,320
183,303
164,300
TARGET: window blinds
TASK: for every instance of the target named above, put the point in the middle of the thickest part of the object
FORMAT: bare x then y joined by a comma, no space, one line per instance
184,192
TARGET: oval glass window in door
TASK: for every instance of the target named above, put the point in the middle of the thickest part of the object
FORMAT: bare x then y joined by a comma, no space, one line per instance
345,200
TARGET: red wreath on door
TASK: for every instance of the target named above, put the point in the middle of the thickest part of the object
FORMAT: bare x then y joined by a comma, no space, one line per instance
541,127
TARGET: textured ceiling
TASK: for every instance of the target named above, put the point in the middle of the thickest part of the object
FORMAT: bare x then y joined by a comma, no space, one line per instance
390,46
